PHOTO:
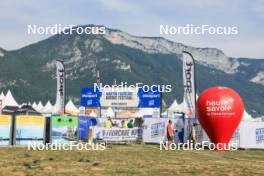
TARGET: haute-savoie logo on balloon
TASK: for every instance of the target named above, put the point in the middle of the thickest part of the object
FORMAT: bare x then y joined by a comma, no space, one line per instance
219,111
220,107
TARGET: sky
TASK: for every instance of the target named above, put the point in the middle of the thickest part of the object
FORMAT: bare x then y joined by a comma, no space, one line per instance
142,18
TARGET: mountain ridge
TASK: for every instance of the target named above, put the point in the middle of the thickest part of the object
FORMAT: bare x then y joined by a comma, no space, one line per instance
30,71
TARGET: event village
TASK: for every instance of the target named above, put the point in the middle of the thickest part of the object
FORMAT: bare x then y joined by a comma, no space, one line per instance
136,117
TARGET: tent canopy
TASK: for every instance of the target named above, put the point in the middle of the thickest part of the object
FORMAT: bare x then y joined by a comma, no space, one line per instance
47,109
27,109
2,96
173,106
39,106
109,112
9,100
92,114
9,109
71,108
143,112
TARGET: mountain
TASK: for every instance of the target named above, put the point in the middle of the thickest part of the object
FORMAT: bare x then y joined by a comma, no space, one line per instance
30,71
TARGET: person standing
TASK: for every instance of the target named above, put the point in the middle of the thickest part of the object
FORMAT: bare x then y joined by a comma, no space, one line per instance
169,130
130,124
193,134
123,124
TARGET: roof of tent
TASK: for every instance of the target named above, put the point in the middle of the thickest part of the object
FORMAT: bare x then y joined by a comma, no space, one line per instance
39,106
143,112
124,114
247,117
109,112
9,100
2,96
92,114
34,105
9,109
71,107
47,109
27,109
173,106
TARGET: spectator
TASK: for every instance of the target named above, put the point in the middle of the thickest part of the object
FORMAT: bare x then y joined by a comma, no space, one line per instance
169,133
123,124
108,123
130,124
193,134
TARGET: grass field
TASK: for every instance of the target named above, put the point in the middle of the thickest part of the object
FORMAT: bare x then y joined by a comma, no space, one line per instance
130,160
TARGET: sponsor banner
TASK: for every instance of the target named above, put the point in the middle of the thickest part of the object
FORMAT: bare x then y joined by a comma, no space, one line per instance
5,129
118,134
29,129
251,134
60,98
84,127
120,97
116,97
150,99
155,129
189,84
64,129
90,97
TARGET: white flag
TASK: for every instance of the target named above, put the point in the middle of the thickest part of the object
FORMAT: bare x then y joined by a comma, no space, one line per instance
60,98
189,84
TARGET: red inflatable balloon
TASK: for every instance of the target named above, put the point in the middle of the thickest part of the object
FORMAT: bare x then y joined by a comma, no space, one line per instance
219,111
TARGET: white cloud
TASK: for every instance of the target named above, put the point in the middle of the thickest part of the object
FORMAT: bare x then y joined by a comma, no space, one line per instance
121,6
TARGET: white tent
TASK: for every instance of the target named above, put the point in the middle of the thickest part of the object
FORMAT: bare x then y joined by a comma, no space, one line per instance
248,117
173,106
54,109
47,109
71,108
109,112
39,106
143,112
92,114
2,96
9,100
34,105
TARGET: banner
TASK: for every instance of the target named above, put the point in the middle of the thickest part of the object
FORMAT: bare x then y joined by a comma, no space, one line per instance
118,134
84,127
60,98
251,135
5,129
120,97
29,129
189,84
90,97
64,129
150,99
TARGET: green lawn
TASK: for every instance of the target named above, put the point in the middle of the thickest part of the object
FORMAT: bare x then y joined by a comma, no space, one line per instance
130,160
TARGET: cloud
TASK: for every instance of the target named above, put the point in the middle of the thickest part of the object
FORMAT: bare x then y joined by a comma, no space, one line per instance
121,6
141,18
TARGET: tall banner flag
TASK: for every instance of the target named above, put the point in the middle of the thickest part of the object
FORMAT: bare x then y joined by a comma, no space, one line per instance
189,84
60,98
